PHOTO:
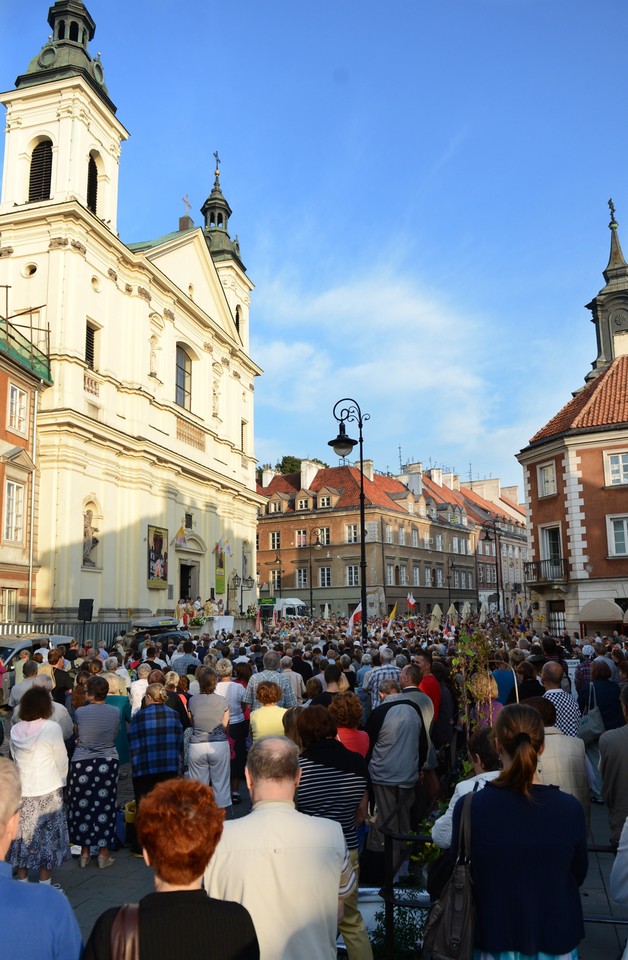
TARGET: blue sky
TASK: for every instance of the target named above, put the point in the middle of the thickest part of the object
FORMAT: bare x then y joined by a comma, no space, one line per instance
419,192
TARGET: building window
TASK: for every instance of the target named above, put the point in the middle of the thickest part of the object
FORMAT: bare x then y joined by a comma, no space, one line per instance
426,541
403,574
415,538
324,576
547,479
301,538
90,346
324,536
439,541
353,579
301,578
618,536
324,501
92,185
617,468
13,512
352,533
18,400
8,604
480,573
550,544
454,544
275,581
389,533
183,396
470,581
275,540
40,178
390,574
402,537
439,577
243,426
416,576
275,506
303,504
427,576
461,543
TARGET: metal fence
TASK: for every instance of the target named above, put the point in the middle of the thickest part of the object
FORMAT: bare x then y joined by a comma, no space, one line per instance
94,631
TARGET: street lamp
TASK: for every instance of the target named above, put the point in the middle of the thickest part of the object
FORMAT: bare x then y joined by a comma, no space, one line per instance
235,583
342,446
314,545
451,565
490,532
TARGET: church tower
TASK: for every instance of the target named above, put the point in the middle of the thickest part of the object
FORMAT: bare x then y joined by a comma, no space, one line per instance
610,307
225,253
62,136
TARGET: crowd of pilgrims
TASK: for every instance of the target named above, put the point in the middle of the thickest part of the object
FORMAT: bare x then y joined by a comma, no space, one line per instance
380,723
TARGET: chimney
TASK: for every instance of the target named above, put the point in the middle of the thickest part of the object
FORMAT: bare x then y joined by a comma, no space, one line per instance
185,223
309,469
436,474
368,469
267,475
414,482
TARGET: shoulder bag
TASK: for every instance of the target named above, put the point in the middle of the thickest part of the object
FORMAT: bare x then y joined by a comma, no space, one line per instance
450,929
591,726
125,933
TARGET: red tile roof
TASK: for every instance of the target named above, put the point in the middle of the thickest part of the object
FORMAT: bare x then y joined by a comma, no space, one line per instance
346,480
602,403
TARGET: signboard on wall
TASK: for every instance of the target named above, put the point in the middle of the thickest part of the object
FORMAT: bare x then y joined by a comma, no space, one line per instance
157,558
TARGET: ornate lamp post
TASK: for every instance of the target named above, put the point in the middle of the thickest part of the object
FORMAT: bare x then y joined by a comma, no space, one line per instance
234,583
315,544
247,584
490,532
348,411
276,565
450,566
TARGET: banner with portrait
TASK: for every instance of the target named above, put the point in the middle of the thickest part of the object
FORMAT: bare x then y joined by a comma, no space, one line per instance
220,569
157,557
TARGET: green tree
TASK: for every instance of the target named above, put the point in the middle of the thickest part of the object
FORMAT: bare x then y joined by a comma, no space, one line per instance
288,464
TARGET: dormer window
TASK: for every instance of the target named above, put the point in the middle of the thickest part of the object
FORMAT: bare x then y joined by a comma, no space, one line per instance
274,506
324,502
303,503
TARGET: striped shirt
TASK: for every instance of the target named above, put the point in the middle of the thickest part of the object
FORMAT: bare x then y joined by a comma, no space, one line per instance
332,785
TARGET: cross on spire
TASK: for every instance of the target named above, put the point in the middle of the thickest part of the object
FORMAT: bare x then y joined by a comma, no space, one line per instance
611,207
186,201
217,158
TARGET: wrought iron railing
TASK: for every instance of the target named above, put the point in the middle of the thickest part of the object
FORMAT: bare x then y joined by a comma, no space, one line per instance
546,571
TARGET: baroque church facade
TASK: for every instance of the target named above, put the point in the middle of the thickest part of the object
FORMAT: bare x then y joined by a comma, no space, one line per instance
144,454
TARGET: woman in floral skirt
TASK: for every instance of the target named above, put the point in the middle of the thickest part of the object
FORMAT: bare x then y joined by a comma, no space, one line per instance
39,752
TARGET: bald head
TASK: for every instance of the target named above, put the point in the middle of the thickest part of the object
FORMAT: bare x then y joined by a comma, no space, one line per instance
552,674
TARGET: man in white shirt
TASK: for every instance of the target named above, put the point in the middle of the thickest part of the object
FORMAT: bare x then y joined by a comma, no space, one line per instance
290,871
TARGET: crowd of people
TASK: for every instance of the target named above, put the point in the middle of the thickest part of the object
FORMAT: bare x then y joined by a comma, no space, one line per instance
338,739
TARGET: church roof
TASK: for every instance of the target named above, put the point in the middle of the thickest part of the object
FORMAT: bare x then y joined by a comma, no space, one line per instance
603,402
158,241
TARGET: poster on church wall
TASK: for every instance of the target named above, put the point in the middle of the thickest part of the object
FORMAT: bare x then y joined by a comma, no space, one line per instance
220,571
157,558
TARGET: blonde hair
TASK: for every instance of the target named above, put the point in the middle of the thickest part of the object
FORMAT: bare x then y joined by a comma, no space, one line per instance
157,692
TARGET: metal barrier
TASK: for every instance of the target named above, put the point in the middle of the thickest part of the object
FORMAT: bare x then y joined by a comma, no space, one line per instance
94,631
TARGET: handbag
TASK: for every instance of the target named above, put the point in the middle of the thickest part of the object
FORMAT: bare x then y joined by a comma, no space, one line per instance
591,726
125,933
450,929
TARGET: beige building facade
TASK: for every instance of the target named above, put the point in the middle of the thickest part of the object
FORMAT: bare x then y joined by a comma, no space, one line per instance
146,463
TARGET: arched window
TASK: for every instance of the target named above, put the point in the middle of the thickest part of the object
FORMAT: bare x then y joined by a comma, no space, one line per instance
74,31
220,219
61,31
41,172
183,396
92,185
237,319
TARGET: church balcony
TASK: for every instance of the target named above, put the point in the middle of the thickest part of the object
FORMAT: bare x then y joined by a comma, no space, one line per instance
546,572
90,384
17,341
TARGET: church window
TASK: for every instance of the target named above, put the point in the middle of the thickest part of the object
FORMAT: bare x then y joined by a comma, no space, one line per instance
220,219
41,172
183,396
237,319
74,31
61,33
90,347
92,185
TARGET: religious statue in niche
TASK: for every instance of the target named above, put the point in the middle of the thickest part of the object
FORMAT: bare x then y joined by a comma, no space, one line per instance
216,398
89,540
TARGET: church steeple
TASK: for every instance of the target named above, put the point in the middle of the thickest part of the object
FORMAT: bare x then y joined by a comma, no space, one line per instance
216,212
66,53
610,307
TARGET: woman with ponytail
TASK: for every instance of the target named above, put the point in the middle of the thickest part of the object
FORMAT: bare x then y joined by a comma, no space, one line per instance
528,852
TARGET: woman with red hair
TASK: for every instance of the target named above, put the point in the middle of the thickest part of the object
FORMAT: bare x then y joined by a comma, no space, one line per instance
178,826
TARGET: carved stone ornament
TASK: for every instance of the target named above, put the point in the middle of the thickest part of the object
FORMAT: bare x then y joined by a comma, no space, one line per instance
207,347
77,245
111,273
128,288
620,318
58,242
226,362
169,314
144,294
5,252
